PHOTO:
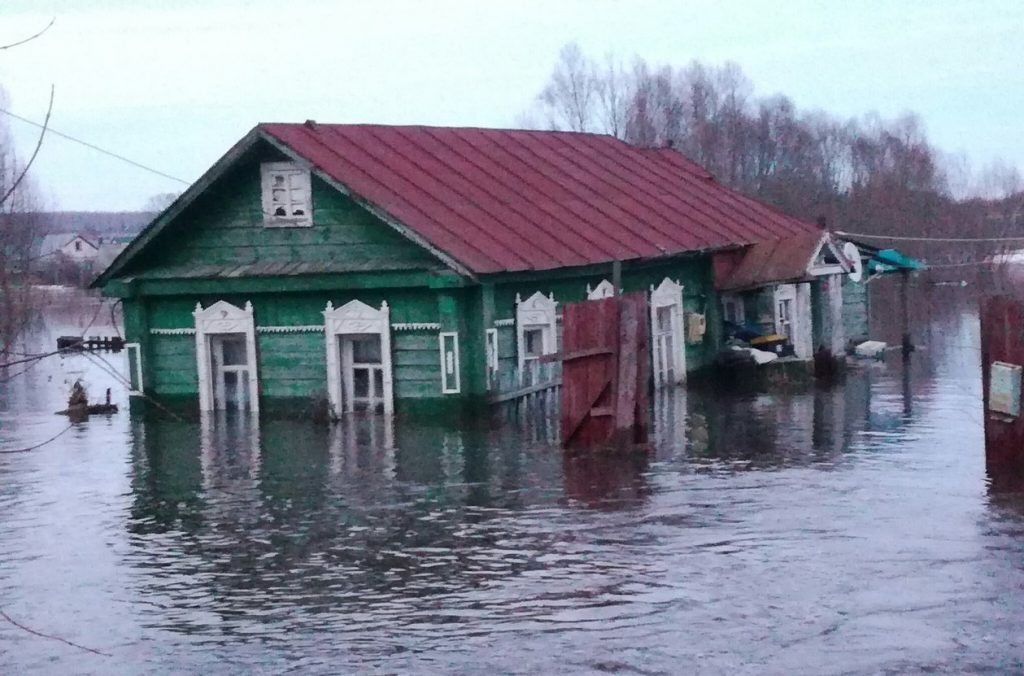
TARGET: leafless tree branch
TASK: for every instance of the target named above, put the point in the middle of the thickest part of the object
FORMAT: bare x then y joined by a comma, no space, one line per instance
39,144
31,38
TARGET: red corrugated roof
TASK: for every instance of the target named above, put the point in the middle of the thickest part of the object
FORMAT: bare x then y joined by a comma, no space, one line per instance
500,200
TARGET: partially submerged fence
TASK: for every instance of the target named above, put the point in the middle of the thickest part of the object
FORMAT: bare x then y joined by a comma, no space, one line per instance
1002,361
597,386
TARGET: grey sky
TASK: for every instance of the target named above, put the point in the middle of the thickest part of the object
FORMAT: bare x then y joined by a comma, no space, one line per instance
174,84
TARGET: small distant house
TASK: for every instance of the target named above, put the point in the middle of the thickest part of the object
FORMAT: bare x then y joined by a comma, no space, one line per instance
390,266
69,245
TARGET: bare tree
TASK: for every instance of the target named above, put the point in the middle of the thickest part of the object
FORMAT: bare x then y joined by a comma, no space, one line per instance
160,201
572,92
868,175
612,87
19,226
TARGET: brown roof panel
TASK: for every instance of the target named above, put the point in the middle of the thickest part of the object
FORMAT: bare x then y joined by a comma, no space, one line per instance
773,262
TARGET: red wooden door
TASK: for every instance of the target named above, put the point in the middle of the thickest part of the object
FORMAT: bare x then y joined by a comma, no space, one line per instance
605,372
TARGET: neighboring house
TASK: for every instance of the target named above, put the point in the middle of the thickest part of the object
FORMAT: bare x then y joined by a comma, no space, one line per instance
109,249
384,266
69,245
790,287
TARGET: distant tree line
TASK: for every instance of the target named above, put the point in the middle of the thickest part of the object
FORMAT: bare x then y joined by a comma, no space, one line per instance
868,175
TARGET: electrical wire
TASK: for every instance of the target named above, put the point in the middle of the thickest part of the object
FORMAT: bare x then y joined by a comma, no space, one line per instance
92,146
110,370
41,443
909,238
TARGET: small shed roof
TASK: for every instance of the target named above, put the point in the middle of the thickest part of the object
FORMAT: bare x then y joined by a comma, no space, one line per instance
776,261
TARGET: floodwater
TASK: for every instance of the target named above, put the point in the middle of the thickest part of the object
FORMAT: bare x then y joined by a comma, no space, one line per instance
844,530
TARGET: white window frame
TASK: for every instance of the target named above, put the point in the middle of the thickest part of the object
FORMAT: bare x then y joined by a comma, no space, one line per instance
219,319
450,381
289,170
668,294
604,289
137,349
356,317
799,297
493,363
536,312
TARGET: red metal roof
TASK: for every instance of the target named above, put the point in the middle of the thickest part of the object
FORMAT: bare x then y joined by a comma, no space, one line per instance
500,200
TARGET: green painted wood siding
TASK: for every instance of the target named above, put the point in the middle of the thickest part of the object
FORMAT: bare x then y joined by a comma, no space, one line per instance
225,226
694,274
172,365
855,311
291,365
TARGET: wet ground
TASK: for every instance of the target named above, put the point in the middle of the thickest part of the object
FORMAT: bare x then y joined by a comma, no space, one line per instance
832,530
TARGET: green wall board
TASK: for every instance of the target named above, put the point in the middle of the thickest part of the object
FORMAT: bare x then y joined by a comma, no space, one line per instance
224,226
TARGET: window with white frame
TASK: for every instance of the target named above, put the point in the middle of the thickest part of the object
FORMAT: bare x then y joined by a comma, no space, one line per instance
669,354
536,332
287,201
492,358
226,357
449,343
359,369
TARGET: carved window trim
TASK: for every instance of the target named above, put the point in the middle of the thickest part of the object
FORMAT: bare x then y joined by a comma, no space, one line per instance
536,312
219,319
668,294
356,317
604,289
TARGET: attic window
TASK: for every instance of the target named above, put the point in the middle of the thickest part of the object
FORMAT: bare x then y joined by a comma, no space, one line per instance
286,195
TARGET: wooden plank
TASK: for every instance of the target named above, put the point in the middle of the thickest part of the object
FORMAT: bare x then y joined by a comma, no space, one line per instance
587,383
625,395
525,391
643,372
576,354
575,424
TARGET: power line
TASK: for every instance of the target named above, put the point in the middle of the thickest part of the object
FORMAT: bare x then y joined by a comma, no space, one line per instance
41,443
907,238
91,146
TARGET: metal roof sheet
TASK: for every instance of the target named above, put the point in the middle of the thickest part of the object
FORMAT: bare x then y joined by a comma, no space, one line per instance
774,262
502,200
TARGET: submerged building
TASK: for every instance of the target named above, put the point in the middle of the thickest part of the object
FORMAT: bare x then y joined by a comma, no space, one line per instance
382,267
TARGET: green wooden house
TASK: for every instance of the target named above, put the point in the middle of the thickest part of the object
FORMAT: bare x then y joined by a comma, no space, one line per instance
380,267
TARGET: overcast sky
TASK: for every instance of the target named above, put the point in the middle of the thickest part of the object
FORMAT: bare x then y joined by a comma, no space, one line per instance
173,84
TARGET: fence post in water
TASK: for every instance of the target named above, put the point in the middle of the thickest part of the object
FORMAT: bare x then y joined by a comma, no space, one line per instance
1002,362
908,345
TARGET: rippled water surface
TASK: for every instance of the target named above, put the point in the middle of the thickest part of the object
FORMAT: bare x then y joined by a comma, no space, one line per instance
833,530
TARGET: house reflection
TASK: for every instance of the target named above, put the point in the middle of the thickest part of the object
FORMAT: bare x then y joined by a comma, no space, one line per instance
284,513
